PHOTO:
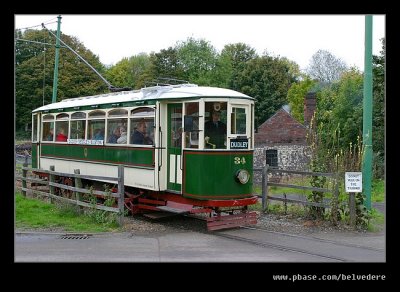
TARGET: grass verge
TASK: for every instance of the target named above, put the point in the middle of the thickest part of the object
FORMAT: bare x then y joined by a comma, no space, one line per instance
35,214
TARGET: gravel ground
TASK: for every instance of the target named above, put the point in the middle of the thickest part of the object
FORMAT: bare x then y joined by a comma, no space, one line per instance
271,222
141,225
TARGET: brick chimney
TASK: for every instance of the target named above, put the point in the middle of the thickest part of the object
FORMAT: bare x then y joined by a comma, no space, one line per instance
309,107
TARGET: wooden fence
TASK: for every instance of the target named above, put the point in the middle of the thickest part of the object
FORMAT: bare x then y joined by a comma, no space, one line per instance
77,190
265,184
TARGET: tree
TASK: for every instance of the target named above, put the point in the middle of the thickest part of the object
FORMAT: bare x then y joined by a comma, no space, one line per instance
339,110
34,70
166,64
296,95
326,67
267,79
197,59
378,122
238,54
130,72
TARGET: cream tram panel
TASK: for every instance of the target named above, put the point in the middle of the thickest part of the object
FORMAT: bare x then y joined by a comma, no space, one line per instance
136,177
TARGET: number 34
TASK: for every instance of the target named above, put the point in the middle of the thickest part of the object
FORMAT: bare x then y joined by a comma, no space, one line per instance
239,160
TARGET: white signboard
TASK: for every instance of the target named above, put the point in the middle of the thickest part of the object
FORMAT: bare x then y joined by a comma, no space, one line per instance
353,182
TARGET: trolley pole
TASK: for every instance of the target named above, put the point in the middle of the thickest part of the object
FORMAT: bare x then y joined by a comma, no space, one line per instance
367,113
55,79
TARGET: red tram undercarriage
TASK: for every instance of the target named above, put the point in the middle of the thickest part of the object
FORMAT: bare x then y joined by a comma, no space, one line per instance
221,213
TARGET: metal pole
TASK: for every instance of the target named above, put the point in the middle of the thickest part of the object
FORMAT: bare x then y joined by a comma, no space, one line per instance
367,113
55,79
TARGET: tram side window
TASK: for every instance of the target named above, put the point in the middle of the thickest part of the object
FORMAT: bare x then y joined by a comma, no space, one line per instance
142,126
238,121
48,131
34,128
191,125
96,125
78,126
96,129
48,128
62,128
61,131
116,132
117,127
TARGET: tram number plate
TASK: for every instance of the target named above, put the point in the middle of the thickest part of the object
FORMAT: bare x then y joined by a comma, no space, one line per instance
239,144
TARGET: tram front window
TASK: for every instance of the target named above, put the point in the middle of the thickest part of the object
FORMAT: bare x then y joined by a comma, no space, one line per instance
215,125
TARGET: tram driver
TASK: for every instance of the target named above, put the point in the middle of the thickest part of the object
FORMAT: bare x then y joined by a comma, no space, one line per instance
215,132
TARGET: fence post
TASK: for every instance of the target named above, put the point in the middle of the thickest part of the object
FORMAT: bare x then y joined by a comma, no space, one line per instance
52,179
352,207
264,187
78,184
335,205
121,191
24,175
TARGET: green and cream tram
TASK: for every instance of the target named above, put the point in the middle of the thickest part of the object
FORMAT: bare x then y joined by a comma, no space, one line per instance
159,134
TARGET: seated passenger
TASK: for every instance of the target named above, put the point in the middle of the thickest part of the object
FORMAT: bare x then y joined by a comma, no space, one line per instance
115,135
99,134
123,138
50,135
139,136
61,137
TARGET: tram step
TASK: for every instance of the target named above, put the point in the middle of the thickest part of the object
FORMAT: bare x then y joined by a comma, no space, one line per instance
159,215
173,210
230,221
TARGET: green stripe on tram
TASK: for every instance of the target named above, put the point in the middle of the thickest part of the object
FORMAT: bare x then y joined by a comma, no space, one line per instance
102,154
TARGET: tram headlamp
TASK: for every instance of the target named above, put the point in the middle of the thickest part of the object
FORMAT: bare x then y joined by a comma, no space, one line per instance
243,176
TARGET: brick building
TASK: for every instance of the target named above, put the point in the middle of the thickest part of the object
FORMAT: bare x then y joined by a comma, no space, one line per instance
281,141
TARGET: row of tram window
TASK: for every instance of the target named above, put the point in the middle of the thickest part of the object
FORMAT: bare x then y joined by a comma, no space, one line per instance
136,126
117,126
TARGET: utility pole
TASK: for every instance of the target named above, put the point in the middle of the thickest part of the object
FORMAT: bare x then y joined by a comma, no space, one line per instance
55,78
367,113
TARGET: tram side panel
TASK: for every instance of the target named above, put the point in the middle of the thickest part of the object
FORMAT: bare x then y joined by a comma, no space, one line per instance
213,175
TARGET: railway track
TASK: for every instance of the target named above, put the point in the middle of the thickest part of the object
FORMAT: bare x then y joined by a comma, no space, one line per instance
329,250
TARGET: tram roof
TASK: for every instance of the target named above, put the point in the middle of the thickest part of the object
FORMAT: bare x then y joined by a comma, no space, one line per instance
148,93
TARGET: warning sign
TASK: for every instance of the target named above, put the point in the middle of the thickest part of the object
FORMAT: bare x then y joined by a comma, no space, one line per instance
353,182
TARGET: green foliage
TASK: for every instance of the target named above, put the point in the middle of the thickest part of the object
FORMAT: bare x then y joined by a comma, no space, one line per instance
378,190
296,95
267,79
238,55
197,58
130,72
339,111
378,116
166,64
102,216
34,70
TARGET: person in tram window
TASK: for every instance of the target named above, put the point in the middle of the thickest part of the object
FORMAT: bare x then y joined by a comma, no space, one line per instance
123,138
50,135
99,134
115,135
215,131
139,135
61,137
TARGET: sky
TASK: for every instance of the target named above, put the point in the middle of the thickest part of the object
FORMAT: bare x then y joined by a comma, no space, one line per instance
296,37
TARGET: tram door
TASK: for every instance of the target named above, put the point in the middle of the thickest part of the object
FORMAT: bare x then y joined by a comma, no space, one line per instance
174,146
